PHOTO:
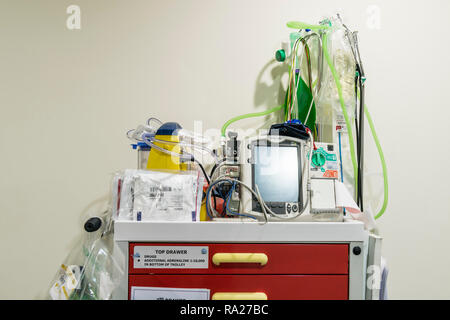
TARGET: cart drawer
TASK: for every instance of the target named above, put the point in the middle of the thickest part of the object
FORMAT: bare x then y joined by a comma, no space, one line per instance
238,258
243,287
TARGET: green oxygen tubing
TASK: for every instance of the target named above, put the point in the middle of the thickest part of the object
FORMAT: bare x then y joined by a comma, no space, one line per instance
248,115
300,25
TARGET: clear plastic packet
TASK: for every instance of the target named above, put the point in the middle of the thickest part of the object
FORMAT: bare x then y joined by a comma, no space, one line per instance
148,195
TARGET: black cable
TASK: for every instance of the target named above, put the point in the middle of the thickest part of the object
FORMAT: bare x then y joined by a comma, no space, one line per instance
361,143
203,169
359,123
356,106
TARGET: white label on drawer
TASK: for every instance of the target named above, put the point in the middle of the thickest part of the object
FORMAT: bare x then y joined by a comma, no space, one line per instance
157,293
170,257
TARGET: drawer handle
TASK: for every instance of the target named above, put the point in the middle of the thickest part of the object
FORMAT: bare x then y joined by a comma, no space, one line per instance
260,258
239,296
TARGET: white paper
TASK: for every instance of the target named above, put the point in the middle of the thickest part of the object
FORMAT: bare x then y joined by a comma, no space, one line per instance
160,293
344,199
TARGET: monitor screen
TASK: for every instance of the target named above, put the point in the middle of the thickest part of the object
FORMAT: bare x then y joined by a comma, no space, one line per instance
276,173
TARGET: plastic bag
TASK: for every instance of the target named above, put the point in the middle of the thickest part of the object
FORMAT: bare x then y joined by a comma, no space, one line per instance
90,271
147,195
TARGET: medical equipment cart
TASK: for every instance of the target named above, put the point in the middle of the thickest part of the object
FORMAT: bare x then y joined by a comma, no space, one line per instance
246,260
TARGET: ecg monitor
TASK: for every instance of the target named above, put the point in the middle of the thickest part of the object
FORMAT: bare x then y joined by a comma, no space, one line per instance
276,168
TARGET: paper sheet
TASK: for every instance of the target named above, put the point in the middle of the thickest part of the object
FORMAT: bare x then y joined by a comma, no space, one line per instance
344,199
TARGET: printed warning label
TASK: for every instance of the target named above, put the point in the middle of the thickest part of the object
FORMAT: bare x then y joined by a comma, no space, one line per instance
168,257
341,125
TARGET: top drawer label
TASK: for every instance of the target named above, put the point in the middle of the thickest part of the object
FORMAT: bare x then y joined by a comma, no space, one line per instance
170,257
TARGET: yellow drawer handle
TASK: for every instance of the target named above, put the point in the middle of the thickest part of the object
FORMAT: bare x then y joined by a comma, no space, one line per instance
219,258
239,296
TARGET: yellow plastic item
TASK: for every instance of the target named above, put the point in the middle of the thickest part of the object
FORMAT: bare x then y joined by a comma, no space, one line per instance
239,296
203,214
260,258
158,160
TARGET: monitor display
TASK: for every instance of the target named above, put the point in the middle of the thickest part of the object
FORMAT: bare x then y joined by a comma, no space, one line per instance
277,172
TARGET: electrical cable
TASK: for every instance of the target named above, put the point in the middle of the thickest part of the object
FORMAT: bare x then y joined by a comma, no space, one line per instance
359,125
209,208
203,170
361,147
230,194
216,167
361,79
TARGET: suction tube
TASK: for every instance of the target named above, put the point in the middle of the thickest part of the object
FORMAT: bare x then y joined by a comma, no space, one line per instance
248,115
383,162
302,25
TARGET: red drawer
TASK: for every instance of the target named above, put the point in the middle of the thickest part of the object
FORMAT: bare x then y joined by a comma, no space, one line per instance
275,287
273,258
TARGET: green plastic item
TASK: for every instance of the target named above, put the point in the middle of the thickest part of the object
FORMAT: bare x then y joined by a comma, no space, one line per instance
318,159
383,163
302,25
304,99
280,55
248,115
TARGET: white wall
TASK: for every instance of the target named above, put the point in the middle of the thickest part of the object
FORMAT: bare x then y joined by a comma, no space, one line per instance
68,97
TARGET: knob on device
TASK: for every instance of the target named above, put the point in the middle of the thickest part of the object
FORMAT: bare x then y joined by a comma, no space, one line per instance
318,159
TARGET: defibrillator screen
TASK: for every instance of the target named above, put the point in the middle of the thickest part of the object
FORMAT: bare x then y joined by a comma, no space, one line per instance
277,172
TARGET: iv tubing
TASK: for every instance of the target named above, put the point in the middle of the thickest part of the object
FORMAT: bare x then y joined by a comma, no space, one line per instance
184,144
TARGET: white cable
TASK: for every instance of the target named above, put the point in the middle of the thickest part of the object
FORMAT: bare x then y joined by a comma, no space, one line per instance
310,108
263,207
